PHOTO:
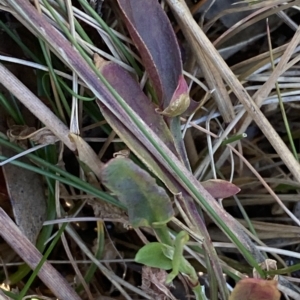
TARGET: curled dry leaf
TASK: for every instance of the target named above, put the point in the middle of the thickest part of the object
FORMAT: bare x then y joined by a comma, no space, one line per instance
154,283
267,265
43,136
19,132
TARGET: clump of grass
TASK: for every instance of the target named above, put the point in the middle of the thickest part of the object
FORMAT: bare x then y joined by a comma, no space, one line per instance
79,101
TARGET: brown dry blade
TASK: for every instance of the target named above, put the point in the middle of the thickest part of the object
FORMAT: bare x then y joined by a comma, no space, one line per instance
27,197
152,33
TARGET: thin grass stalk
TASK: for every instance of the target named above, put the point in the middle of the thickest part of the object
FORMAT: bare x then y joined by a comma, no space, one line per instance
190,27
284,117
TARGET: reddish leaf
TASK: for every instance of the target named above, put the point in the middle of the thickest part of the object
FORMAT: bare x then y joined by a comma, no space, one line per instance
220,188
130,91
153,35
255,289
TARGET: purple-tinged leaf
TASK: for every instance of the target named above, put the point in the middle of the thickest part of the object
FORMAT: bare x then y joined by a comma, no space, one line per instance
220,188
255,289
130,91
152,33
147,203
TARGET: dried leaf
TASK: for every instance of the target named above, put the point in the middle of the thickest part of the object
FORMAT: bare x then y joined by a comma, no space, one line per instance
27,196
43,136
154,283
19,132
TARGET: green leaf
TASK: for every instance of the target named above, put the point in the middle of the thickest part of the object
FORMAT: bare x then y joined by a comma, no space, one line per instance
148,204
152,255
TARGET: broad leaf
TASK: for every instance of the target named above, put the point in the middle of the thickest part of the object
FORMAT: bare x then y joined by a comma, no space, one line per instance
148,204
130,91
152,255
152,33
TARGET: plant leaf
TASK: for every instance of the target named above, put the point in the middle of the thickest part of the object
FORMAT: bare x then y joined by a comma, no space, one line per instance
255,289
130,91
220,189
147,203
152,255
152,33
27,196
